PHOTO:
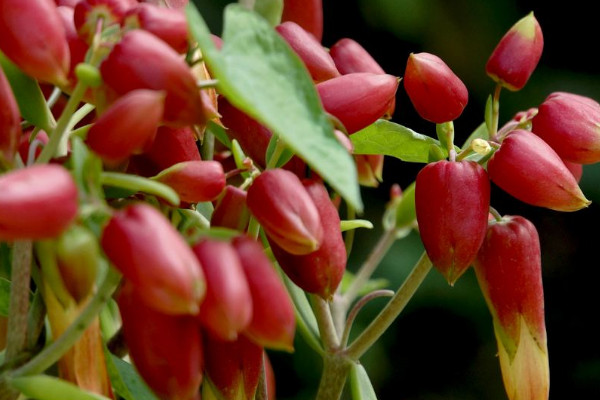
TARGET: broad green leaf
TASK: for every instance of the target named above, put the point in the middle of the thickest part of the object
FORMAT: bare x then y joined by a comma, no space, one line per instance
392,139
45,387
259,74
360,384
4,296
270,10
29,96
126,381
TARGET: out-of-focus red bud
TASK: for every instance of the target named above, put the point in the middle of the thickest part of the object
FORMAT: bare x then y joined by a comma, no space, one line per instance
358,99
452,201
195,181
171,146
435,91
317,60
143,61
150,253
321,271
127,126
369,168
306,13
77,46
517,54
570,124
37,202
273,322
527,168
165,349
227,307
10,123
42,52
283,207
169,24
231,210
233,367
508,269
88,13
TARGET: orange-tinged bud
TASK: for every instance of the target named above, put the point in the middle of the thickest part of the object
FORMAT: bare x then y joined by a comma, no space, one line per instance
150,253
37,202
273,322
195,181
227,307
231,210
10,123
435,91
517,54
169,24
529,169
306,13
127,126
321,271
369,168
570,124
165,349
508,269
32,36
281,204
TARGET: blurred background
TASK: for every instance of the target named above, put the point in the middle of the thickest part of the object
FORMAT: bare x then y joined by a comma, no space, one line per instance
442,347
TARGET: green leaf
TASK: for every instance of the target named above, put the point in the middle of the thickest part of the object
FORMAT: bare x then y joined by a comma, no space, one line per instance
392,139
29,96
126,381
45,387
360,384
219,132
4,296
270,10
259,73
347,225
284,156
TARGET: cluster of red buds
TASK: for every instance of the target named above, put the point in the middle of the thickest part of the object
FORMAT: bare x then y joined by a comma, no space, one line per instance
153,214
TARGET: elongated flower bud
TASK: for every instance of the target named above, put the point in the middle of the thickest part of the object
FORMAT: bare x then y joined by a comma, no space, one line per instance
306,13
231,210
369,168
143,61
435,91
10,122
570,124
529,169
127,126
77,46
508,269
321,271
517,54
37,202
42,51
169,24
281,204
452,201
151,254
170,146
358,99
273,322
227,307
195,181
165,349
317,60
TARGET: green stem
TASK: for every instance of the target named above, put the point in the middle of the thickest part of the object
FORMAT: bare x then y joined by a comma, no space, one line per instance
333,378
16,335
389,313
495,110
329,336
140,184
359,306
277,152
349,236
253,228
207,150
52,353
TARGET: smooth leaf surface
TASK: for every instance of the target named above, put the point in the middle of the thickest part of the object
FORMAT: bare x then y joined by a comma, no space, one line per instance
126,381
360,384
392,139
259,73
271,10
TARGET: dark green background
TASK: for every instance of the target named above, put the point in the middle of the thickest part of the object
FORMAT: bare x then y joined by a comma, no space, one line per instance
442,347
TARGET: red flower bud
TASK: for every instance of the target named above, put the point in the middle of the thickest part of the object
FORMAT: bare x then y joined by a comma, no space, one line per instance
41,52
150,253
570,124
227,307
517,54
77,46
576,169
435,91
273,322
281,204
37,202
321,271
358,99
169,24
10,123
452,201
170,146
508,269
307,14
319,63
231,210
527,168
127,126
88,13
143,61
195,181
165,349
369,168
